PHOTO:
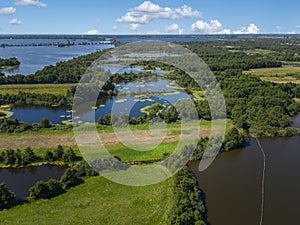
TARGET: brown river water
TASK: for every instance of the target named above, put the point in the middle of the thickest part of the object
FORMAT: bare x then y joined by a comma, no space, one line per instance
233,184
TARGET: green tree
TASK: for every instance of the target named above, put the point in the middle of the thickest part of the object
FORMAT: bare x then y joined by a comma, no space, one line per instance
46,190
6,196
58,152
171,115
49,156
234,139
69,156
70,178
45,123
28,156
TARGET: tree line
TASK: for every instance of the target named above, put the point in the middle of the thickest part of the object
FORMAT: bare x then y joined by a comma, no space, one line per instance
26,157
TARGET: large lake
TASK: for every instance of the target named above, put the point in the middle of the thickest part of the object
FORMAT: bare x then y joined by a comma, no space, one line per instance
36,58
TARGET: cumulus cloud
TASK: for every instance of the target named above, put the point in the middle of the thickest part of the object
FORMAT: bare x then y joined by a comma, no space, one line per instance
15,21
148,11
134,26
7,11
31,2
251,29
216,27
213,27
91,32
171,28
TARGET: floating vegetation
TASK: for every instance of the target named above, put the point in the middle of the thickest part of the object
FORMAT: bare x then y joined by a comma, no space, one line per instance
94,108
67,122
6,107
101,106
70,111
7,113
121,101
171,93
62,116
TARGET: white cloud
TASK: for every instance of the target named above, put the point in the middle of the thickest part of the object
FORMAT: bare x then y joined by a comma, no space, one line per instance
7,11
148,11
180,31
15,21
31,2
93,32
171,28
115,27
251,29
214,27
134,26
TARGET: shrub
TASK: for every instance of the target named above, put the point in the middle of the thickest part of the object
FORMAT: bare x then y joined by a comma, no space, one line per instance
46,190
6,196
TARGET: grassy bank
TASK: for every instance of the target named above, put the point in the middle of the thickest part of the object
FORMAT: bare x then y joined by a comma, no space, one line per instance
98,201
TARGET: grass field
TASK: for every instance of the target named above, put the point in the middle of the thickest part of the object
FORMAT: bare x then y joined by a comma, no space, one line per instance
55,89
270,72
256,51
98,201
281,80
48,138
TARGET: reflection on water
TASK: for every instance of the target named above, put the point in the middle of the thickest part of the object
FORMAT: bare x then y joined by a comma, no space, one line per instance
19,180
296,121
233,184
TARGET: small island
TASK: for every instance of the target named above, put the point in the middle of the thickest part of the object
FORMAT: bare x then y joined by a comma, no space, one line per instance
9,63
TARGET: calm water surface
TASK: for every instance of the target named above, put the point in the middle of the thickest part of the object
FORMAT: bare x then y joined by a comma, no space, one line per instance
21,179
233,184
36,58
161,90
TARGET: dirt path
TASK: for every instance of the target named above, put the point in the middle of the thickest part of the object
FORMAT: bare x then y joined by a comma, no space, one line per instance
50,141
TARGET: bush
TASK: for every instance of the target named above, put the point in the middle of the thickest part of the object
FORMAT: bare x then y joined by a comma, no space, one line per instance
69,156
190,205
70,178
6,196
58,152
46,190
45,123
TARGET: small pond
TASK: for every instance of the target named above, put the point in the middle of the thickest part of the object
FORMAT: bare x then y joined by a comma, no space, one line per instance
19,180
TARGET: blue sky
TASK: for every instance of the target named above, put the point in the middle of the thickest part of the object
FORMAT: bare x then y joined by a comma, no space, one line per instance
141,17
